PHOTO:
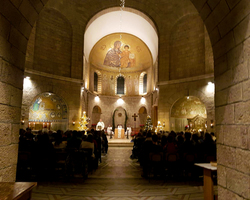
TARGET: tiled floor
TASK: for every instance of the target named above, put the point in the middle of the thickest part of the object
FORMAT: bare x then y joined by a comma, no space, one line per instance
118,177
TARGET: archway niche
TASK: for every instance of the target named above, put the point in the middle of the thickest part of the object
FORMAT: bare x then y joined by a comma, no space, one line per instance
48,112
188,113
120,118
142,115
96,114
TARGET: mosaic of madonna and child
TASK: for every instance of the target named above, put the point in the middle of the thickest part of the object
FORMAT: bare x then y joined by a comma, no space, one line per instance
120,56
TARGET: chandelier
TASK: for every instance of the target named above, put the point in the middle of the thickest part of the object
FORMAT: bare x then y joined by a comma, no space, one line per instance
122,6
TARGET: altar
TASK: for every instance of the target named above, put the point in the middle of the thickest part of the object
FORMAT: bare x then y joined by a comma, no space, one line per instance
119,133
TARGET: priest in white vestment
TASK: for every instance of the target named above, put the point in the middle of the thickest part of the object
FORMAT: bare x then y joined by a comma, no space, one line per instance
100,125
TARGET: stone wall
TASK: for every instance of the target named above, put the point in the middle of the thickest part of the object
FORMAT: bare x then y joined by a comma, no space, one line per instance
187,48
227,23
16,21
53,44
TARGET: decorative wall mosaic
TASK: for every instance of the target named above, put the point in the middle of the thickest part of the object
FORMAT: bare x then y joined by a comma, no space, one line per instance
128,53
188,107
48,107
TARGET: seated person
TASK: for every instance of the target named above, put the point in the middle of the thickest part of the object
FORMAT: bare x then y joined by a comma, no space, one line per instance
58,144
155,148
88,144
73,141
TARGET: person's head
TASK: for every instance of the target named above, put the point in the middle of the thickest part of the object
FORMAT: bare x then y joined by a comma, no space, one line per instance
74,134
58,137
188,136
117,44
149,134
126,47
163,139
90,138
208,137
170,139
195,137
155,138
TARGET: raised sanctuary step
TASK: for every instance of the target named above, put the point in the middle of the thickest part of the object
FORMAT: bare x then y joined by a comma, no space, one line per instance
120,142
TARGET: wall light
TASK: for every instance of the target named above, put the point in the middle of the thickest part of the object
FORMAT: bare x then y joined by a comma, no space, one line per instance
27,82
143,100
22,122
97,98
73,123
210,87
212,124
120,101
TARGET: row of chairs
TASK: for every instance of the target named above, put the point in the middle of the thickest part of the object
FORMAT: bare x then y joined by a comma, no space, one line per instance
65,163
170,164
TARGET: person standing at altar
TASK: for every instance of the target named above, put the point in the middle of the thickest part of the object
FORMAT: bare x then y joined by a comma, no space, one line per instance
100,125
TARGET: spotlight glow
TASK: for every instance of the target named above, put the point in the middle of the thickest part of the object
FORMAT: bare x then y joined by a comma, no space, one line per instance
143,100
27,82
120,101
97,99
210,87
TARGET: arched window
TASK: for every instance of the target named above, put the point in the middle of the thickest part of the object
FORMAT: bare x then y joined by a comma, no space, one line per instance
145,83
120,85
95,82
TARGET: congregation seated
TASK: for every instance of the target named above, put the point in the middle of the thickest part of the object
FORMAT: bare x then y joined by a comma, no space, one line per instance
184,148
58,143
74,141
41,153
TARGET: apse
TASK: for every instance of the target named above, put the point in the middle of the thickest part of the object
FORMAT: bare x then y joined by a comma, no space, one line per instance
188,114
48,112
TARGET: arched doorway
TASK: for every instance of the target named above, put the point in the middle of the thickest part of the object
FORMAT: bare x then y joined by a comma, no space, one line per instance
48,112
188,113
142,115
119,118
96,115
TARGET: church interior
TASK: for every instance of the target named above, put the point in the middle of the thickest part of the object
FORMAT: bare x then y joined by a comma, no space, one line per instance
182,64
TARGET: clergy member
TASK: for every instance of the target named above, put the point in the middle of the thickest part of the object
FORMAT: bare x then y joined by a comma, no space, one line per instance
100,125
